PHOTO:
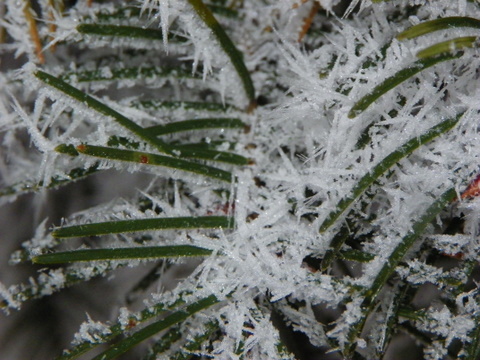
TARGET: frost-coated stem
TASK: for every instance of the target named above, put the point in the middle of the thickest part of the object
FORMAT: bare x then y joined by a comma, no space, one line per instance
393,260
152,329
135,253
133,225
227,45
102,109
367,180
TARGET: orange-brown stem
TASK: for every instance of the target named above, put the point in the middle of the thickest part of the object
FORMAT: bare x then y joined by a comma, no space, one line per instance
32,24
307,22
296,5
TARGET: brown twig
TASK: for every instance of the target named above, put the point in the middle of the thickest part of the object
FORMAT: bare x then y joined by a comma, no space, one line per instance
3,33
56,6
307,22
29,16
296,5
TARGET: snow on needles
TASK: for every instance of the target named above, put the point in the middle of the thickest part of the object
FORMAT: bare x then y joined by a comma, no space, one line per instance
308,153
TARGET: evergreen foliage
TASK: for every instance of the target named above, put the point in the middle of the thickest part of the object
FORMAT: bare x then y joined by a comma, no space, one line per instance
318,159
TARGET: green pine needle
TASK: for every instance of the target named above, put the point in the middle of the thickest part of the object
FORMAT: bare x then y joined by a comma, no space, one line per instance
392,262
134,225
152,160
395,80
227,45
101,108
449,46
197,124
368,179
147,332
438,24
124,31
390,160
149,252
